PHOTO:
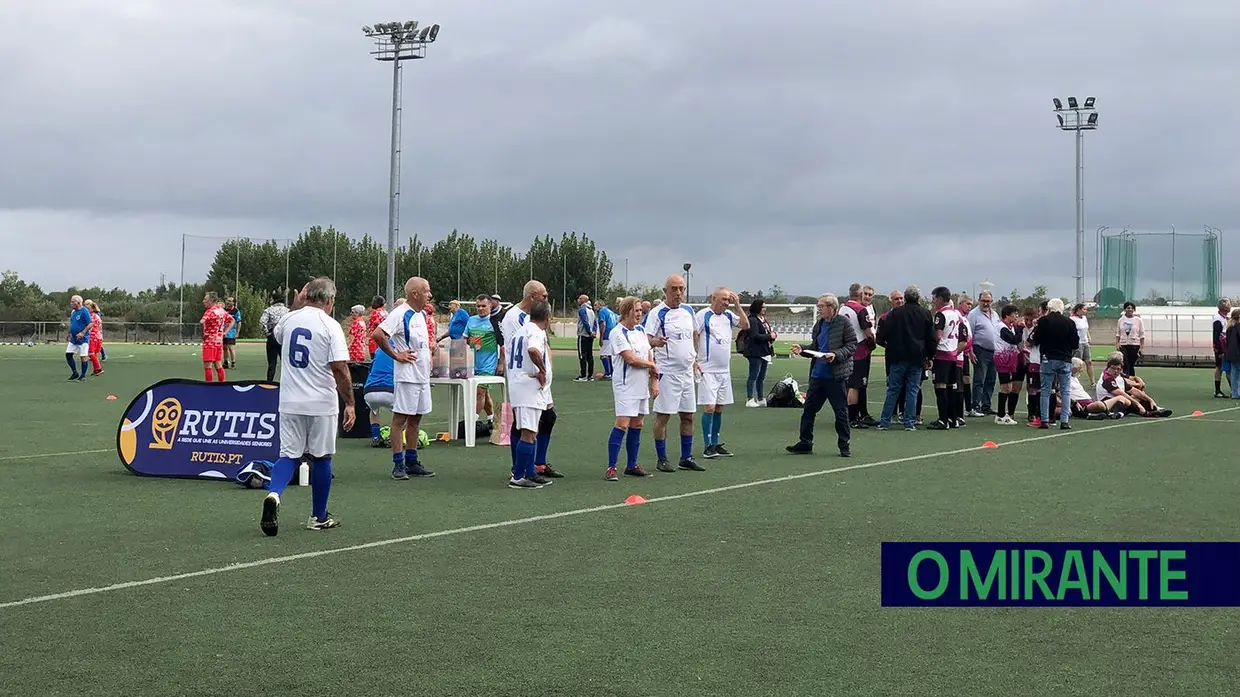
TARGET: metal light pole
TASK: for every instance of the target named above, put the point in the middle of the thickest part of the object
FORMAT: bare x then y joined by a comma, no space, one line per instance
1078,118
397,42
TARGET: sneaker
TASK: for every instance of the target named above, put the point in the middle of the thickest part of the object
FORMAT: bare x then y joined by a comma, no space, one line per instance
96,373
1035,422
581,379
611,475
1164,413
721,451
1043,427
937,425
74,378
663,466
270,522
639,471
910,428
845,453
417,470
522,483
761,402
960,423
1065,426
710,452
315,524
858,426
548,471
1096,417
751,403
400,473
976,414
379,443
800,449
540,479
1114,415
868,421
999,420
882,427
690,464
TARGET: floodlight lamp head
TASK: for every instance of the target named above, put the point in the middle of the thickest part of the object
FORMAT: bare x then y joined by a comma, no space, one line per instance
367,30
1060,117
411,25
1058,104
434,32
1093,119
1071,102
1089,102
422,35
687,267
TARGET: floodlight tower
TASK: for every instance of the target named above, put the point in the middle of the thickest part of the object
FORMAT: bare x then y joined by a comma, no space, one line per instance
1079,118
397,42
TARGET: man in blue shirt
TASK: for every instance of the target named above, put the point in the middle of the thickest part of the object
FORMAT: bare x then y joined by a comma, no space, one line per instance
458,318
587,330
607,321
378,395
79,339
832,345
230,336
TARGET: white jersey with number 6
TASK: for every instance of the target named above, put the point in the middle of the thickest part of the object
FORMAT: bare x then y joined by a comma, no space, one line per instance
523,387
310,341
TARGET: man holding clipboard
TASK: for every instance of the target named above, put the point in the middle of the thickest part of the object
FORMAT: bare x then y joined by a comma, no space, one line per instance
832,345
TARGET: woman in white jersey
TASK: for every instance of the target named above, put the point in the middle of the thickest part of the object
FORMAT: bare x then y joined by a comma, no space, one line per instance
1082,335
632,386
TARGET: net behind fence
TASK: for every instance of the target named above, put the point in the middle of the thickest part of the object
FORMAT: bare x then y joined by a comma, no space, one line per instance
1159,268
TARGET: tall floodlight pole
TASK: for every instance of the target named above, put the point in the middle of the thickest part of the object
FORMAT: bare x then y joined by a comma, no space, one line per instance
1078,118
397,42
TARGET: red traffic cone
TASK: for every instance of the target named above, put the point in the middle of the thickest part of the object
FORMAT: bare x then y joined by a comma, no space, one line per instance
1198,413
634,500
111,398
990,444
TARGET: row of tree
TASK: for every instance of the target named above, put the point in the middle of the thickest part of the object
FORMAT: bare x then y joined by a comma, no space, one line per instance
457,266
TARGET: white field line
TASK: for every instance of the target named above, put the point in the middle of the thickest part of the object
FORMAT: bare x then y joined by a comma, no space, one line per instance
564,514
74,452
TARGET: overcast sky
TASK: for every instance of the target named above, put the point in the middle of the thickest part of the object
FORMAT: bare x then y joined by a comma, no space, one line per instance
808,144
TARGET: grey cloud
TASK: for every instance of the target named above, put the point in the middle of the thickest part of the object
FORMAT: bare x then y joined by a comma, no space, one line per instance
808,127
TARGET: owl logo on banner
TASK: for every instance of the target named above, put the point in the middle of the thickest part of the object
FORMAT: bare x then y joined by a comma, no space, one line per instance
164,422
201,430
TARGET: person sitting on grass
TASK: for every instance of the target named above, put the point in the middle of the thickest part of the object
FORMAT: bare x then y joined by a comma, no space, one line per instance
1113,383
1083,406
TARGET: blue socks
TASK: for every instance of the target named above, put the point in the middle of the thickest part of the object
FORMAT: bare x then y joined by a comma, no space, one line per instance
281,474
71,359
614,441
686,447
320,487
708,420
411,458
716,424
541,442
607,366
525,460
632,446
374,432
660,449
398,459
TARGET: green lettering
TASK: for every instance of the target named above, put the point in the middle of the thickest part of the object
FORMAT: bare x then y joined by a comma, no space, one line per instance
1143,577
1073,576
944,574
1166,575
971,578
1102,567
1014,559
1037,576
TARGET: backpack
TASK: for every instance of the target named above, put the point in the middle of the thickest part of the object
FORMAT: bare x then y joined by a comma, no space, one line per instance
742,341
786,394
255,475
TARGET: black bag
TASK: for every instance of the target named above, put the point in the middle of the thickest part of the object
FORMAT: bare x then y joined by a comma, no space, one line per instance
785,394
742,341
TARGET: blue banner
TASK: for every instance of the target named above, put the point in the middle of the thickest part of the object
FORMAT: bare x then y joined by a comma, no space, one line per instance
203,430
1060,574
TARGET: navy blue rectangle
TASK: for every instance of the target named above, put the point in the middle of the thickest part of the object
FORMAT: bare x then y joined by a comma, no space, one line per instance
1176,574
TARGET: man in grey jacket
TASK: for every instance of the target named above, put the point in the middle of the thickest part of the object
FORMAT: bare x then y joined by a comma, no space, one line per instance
832,345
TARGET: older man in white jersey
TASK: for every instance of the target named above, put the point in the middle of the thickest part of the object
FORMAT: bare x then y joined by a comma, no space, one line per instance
405,336
314,378
713,331
529,392
670,326
947,373
515,318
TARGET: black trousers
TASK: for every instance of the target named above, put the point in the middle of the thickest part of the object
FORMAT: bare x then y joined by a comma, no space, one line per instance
585,355
1130,358
273,358
823,391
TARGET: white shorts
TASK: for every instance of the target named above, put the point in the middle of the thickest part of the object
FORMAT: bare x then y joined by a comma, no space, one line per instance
631,406
411,399
676,395
715,389
606,350
307,435
526,418
379,400
82,349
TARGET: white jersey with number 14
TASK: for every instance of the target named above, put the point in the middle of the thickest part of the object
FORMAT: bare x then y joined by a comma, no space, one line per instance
523,387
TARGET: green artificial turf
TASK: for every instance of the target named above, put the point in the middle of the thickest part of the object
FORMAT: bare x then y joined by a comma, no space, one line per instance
770,589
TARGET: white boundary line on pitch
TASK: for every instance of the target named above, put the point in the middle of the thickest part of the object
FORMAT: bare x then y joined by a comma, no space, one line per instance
73,452
562,514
